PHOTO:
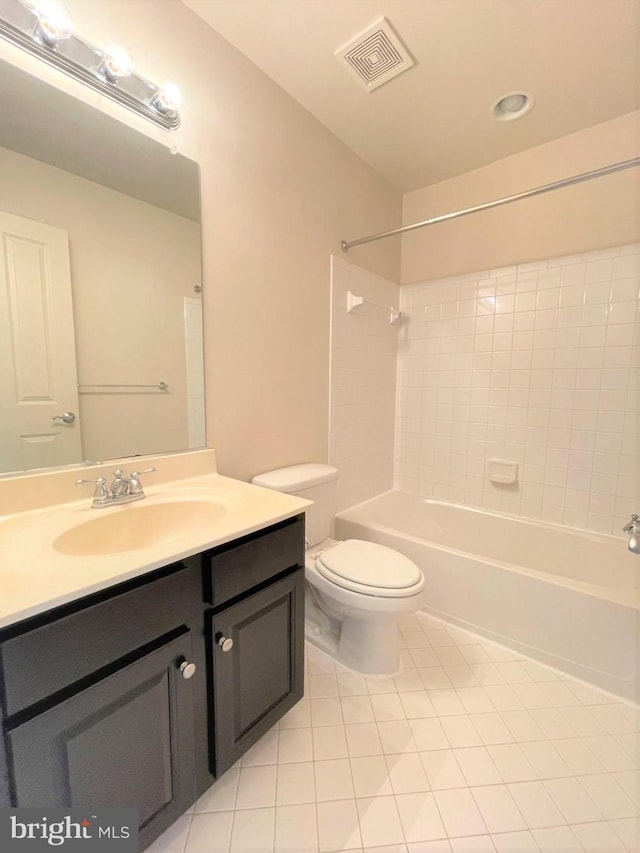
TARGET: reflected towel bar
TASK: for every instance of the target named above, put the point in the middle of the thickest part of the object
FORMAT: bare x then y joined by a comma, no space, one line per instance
161,386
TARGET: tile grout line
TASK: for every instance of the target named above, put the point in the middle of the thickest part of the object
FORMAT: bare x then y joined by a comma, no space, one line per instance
187,833
621,716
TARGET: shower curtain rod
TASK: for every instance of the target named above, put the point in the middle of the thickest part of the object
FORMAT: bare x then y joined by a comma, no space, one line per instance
566,182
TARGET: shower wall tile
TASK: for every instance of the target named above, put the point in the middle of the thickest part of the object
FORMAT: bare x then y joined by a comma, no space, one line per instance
363,383
538,363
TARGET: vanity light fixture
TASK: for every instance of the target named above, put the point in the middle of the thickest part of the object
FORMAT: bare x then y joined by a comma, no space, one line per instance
44,28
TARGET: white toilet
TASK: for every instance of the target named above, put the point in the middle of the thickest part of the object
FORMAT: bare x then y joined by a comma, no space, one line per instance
355,589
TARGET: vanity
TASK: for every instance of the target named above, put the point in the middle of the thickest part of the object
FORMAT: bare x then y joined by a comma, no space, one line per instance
136,674
144,647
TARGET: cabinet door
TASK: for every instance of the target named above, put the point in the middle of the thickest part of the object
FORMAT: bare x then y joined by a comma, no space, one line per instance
125,741
262,675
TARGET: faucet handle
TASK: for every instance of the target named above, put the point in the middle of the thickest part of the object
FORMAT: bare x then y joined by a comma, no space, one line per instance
632,528
135,486
140,473
99,481
100,494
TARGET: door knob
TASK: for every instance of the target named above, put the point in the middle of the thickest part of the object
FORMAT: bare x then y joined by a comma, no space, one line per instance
187,669
225,643
66,418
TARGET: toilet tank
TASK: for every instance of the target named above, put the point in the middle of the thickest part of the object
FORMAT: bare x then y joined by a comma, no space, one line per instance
312,481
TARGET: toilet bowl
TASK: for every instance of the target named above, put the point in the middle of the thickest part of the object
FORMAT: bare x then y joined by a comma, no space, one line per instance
363,587
355,589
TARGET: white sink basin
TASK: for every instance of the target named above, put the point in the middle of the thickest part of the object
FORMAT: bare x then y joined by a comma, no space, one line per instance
130,528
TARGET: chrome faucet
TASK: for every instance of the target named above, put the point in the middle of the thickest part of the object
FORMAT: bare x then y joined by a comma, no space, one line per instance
633,531
123,490
119,485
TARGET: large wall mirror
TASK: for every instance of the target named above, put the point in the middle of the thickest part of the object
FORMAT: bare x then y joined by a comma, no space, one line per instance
100,285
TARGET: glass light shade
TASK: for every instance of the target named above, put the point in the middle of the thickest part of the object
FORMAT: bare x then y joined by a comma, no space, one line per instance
116,63
54,22
167,99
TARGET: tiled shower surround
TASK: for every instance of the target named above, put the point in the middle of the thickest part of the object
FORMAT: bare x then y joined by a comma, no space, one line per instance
536,363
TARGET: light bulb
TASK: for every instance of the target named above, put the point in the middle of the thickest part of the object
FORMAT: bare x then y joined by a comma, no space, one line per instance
116,63
167,99
54,22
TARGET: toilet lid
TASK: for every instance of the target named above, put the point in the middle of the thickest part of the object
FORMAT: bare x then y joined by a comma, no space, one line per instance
369,565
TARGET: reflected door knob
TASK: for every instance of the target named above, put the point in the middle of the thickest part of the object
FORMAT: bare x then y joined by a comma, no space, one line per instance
66,418
187,669
225,643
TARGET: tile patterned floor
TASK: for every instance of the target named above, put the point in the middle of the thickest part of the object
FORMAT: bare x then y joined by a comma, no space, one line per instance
470,749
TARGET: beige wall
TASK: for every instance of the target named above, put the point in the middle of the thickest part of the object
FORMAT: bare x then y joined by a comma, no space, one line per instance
279,193
132,265
597,214
364,350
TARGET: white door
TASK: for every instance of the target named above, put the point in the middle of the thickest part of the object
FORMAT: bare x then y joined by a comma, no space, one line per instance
38,379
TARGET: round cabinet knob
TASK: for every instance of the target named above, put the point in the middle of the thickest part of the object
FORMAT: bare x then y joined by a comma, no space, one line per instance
187,669
225,643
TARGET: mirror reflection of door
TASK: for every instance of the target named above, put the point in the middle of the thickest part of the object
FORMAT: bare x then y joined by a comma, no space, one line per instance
38,378
130,209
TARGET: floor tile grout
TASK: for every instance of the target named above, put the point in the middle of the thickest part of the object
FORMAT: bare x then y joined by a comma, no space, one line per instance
528,729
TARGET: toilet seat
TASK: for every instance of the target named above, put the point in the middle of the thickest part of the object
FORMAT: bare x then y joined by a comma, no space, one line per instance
370,569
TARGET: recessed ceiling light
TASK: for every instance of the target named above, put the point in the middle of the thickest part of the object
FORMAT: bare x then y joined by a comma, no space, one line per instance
513,105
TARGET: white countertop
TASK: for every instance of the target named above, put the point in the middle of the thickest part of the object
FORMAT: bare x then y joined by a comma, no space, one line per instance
35,577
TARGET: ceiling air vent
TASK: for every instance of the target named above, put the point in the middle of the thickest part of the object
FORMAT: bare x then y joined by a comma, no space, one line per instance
376,55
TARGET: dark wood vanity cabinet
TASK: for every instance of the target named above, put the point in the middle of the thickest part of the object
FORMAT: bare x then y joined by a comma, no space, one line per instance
257,656
125,741
96,710
98,707
254,636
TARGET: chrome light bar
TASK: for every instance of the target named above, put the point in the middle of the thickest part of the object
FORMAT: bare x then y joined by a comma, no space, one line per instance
44,29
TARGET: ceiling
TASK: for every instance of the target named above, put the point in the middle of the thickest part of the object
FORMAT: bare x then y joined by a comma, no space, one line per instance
578,57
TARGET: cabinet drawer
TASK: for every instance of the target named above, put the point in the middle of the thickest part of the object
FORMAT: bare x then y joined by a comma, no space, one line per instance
49,658
231,570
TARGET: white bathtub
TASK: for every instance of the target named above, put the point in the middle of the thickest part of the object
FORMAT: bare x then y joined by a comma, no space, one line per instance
566,597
